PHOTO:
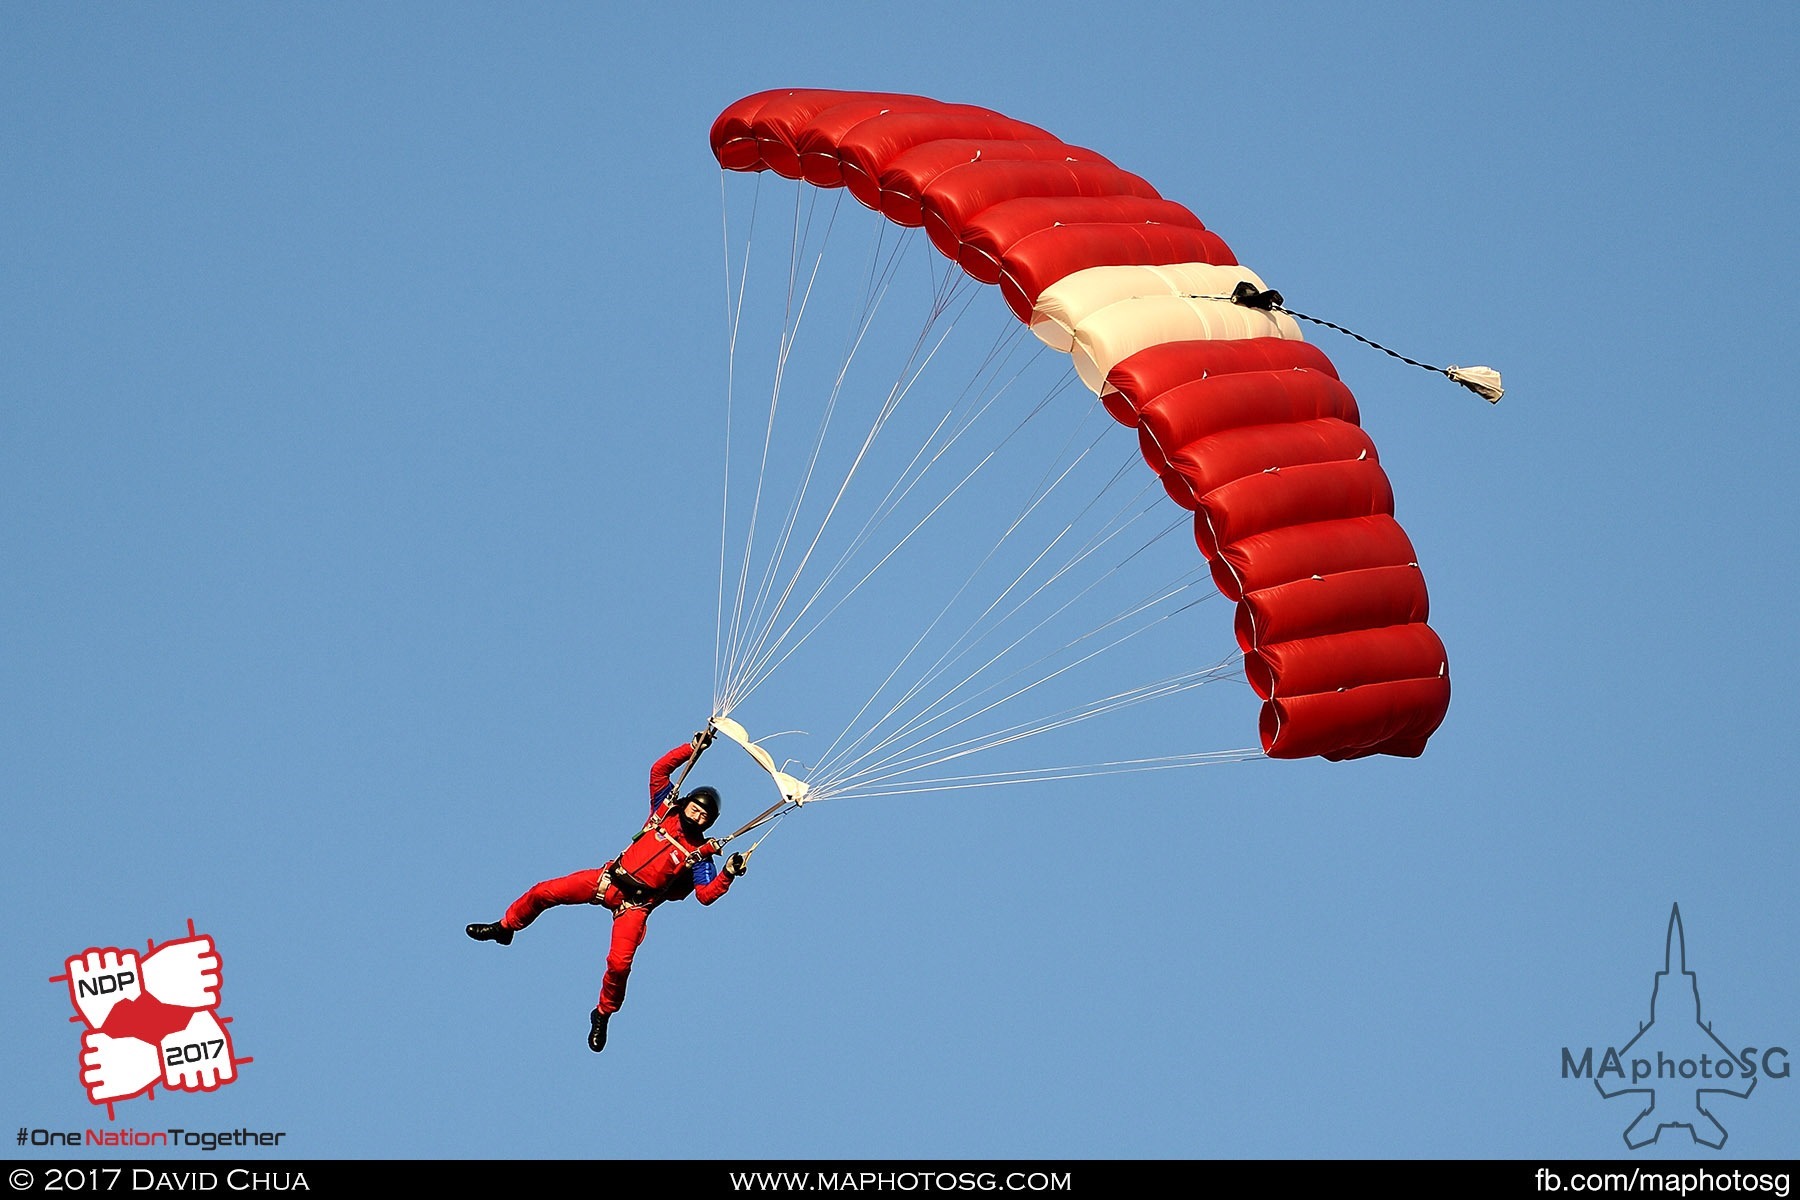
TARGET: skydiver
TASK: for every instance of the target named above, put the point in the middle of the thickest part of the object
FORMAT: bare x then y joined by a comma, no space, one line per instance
668,859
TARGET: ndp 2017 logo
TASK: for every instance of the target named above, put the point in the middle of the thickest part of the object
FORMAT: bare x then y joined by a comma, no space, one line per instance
150,1019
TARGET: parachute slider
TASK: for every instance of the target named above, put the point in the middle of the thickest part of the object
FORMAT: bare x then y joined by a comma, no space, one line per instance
793,791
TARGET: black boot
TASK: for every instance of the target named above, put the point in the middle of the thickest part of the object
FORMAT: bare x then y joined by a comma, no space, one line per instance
597,1030
491,933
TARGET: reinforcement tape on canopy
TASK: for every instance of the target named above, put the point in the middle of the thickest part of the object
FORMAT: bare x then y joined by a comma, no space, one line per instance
792,790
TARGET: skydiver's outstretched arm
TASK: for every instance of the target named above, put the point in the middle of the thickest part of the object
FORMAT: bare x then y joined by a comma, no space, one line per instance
661,772
662,787
717,885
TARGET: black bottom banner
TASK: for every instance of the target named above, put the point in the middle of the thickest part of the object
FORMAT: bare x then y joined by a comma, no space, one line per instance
214,1176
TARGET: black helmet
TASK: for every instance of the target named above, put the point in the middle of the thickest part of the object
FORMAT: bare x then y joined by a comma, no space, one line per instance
707,798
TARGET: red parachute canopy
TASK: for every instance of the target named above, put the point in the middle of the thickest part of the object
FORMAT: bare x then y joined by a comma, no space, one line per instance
1248,426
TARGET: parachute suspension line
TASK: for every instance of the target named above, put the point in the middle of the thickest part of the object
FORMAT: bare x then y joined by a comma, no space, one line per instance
1483,381
732,690
762,619
1043,490
771,661
1156,597
879,280
929,724
1008,341
789,333
906,776
780,816
790,338
879,283
775,813
827,785
1043,774
963,643
912,759
905,482
909,376
766,625
948,285
780,648
734,314
968,638
720,705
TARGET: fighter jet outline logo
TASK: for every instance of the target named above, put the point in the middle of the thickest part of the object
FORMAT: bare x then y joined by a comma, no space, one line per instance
150,1020
1702,1125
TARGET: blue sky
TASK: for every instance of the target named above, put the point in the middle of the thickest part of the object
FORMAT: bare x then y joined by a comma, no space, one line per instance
361,448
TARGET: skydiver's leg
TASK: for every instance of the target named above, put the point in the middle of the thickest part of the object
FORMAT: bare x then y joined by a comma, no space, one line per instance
570,889
627,935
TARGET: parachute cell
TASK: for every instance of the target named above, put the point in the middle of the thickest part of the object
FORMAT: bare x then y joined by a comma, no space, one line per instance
1246,424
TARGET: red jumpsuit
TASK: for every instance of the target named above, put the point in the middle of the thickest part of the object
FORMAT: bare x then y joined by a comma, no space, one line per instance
658,865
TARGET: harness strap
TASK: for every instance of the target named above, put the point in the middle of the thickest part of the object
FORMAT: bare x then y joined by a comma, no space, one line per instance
616,876
626,903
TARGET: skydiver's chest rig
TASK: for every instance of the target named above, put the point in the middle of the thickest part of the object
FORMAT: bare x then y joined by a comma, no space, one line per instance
646,870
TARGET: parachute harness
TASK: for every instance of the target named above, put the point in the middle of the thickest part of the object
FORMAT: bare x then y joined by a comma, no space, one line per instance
636,894
1483,381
